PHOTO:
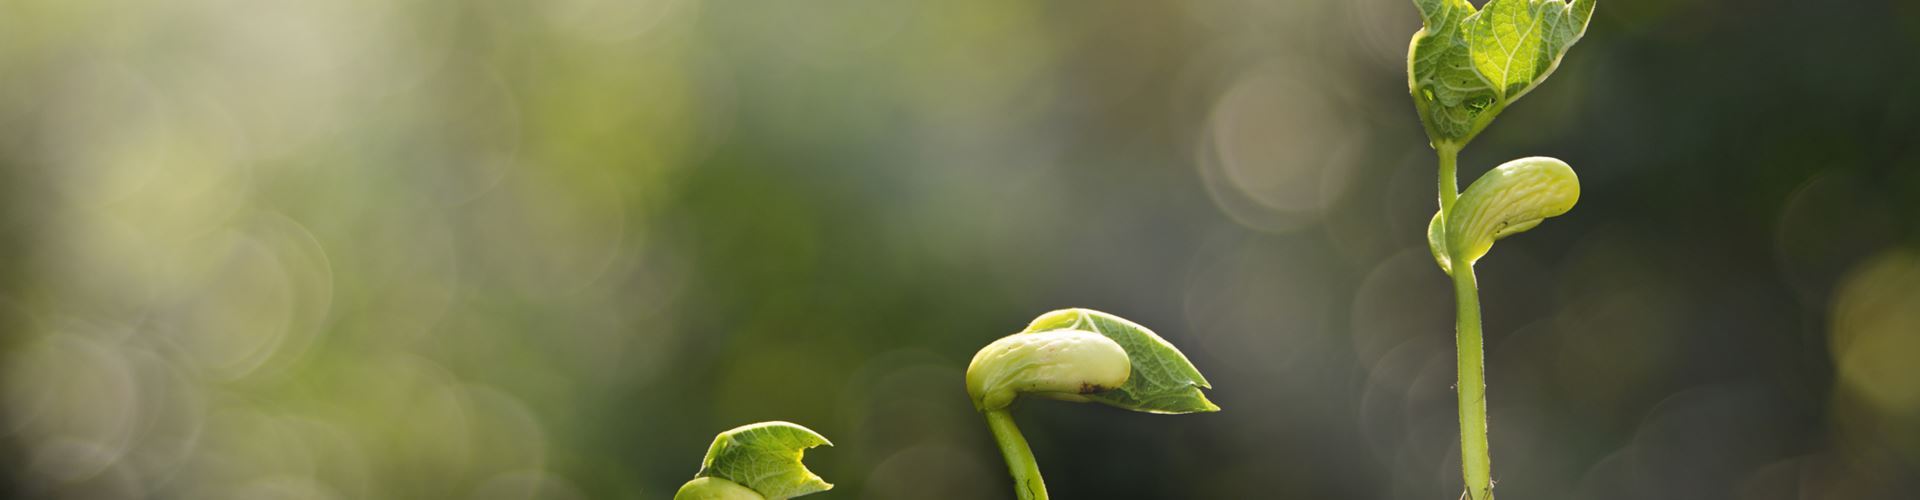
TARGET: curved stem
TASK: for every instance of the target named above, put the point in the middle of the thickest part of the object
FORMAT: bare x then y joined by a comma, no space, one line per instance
1026,472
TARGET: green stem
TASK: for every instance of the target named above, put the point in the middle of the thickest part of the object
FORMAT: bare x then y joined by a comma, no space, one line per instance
1476,464
1026,472
1449,182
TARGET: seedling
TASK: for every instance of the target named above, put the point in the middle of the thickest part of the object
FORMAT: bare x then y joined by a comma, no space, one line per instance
757,462
1463,68
1078,355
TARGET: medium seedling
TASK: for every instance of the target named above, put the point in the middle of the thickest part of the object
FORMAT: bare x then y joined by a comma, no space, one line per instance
1078,355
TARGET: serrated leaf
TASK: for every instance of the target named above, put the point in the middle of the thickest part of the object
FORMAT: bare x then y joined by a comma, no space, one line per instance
1512,198
766,457
1162,379
1466,65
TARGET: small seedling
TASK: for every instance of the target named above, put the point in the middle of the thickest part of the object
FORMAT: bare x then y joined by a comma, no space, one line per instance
1078,355
1463,68
757,462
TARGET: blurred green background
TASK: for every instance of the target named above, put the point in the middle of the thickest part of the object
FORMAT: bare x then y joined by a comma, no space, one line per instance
498,250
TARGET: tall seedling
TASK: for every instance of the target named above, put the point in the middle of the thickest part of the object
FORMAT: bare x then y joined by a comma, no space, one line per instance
1463,68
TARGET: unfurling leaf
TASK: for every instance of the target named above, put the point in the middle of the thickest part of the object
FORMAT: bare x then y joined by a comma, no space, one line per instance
1450,96
1162,379
1060,364
764,457
1465,66
1512,198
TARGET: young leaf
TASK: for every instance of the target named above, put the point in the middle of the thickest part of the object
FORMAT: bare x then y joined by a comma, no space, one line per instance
1512,198
1465,66
1162,380
766,458
1517,43
1060,364
1450,96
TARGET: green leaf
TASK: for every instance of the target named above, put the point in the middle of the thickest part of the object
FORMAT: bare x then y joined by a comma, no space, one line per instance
1510,199
766,457
1162,379
1465,66
1454,102
1516,44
